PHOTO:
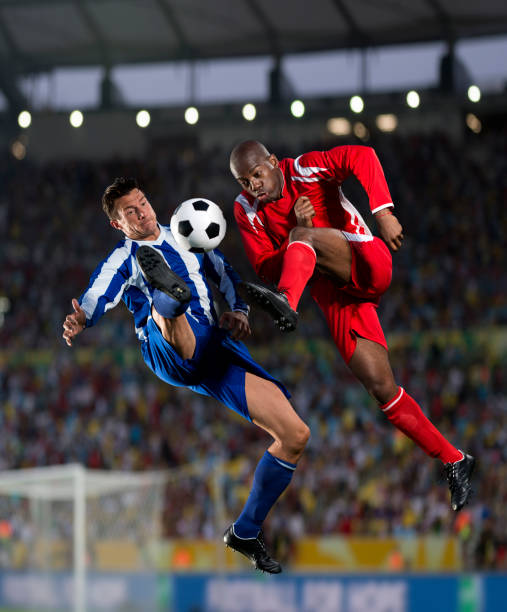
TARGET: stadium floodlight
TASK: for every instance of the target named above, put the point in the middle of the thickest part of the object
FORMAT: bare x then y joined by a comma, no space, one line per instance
76,118
143,118
413,99
474,123
297,108
474,93
339,126
356,104
387,122
249,112
24,119
191,115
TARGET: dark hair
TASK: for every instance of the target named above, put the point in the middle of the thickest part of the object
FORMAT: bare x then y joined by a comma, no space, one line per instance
120,187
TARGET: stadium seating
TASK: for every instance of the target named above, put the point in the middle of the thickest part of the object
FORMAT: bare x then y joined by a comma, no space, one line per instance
445,315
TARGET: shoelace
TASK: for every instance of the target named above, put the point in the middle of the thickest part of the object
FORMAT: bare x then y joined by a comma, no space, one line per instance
451,475
261,552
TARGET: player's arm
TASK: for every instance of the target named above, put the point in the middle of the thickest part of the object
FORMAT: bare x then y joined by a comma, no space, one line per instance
266,259
390,229
104,291
226,279
362,162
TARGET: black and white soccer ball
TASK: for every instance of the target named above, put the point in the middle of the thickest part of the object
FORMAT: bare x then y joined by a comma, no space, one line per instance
198,225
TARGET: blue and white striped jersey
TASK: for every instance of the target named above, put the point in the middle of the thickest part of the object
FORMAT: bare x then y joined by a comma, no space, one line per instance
119,277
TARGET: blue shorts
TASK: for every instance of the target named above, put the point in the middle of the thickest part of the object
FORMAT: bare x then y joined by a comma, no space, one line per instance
217,368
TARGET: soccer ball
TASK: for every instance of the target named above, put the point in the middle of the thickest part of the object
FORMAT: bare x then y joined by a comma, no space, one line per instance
198,225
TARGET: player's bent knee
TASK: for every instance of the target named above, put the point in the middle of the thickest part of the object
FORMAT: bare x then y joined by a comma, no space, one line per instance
296,441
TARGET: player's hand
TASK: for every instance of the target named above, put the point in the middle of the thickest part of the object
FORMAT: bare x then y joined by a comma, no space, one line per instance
237,324
74,323
390,230
304,211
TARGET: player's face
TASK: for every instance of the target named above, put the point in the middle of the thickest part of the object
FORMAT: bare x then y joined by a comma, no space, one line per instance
135,217
260,176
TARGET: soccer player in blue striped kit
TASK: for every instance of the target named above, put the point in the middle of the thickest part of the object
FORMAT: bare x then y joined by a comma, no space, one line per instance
184,343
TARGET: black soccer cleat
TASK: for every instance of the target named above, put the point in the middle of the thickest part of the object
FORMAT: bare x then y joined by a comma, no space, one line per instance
274,303
254,549
458,476
160,276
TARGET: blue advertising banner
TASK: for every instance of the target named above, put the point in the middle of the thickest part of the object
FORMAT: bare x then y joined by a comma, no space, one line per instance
54,592
324,593
254,592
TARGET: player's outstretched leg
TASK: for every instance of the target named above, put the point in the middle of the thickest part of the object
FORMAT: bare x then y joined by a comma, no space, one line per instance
171,295
269,409
275,303
370,364
458,476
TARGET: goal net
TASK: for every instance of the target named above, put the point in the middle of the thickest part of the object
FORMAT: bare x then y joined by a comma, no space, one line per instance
79,540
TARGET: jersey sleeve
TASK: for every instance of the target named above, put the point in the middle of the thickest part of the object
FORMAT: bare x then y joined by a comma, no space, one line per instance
341,162
266,259
106,285
220,271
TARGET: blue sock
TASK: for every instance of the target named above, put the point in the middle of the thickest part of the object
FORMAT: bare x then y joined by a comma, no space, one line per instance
167,306
271,478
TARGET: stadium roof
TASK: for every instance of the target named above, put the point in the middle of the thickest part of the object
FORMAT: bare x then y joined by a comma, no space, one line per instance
39,35
42,34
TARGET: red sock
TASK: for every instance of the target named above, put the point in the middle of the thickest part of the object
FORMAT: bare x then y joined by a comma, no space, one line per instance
405,414
297,269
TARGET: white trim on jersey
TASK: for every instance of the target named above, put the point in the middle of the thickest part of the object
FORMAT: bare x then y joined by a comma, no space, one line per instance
305,179
193,266
250,210
357,237
140,332
355,216
395,401
136,268
306,171
97,290
226,286
388,205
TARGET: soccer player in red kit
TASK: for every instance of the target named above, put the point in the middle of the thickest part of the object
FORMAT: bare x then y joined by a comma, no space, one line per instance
298,227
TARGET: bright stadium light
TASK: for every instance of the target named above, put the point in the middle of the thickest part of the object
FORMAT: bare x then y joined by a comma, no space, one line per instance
191,115
24,119
474,93
297,108
413,99
356,104
387,122
143,118
76,118
249,112
339,126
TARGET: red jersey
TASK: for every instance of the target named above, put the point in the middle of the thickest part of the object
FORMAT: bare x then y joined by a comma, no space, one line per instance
318,175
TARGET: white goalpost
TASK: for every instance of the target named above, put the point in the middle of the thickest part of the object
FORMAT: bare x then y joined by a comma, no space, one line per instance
64,527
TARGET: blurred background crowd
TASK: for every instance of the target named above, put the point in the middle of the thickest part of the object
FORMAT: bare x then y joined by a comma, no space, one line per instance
445,316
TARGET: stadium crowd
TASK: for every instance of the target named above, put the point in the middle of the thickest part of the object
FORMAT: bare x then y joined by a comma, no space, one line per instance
445,315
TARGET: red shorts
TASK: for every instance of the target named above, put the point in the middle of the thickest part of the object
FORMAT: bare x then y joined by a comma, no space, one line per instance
351,309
